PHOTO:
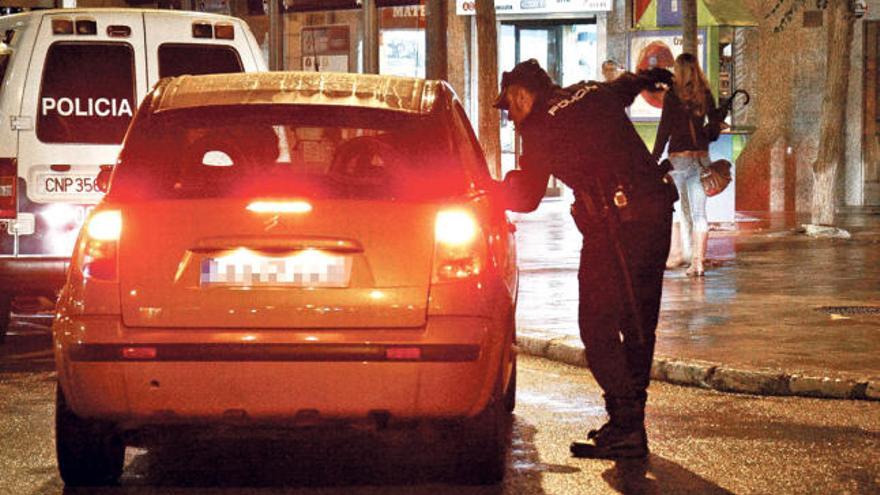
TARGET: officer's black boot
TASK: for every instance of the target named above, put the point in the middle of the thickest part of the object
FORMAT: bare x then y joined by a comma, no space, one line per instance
609,408
625,436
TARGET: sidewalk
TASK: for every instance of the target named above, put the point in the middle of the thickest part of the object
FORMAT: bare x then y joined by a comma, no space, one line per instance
756,323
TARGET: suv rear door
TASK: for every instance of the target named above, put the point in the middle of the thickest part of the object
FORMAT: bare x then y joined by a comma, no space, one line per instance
86,90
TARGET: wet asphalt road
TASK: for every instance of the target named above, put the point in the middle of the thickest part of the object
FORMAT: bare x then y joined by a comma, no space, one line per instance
702,442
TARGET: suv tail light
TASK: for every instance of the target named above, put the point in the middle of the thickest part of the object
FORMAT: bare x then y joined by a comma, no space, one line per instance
459,246
99,246
8,187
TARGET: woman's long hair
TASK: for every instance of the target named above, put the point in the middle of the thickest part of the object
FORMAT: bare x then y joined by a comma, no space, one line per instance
690,84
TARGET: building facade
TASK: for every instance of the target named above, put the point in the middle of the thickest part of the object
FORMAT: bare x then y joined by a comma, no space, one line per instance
784,71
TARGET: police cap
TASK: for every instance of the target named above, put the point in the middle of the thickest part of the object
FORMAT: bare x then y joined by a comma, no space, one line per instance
529,75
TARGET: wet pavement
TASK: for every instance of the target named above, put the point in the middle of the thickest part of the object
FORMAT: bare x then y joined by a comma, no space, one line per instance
702,442
760,306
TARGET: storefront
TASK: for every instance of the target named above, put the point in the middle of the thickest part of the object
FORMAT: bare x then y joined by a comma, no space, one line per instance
329,35
655,42
566,37
10,7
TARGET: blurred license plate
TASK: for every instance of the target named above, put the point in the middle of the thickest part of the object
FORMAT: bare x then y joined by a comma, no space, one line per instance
309,268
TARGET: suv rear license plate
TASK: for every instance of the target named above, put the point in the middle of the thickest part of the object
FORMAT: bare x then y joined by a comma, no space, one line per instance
308,268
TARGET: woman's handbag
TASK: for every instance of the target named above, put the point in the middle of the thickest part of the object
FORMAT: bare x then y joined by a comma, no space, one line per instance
715,177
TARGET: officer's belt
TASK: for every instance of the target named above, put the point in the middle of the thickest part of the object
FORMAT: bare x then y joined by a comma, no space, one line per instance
596,208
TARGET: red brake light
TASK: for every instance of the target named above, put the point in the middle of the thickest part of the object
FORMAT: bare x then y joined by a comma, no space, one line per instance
224,31
403,353
202,30
105,226
139,352
459,247
455,227
280,206
98,252
8,187
62,26
118,31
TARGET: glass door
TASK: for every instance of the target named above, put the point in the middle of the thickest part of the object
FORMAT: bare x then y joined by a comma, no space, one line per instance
566,50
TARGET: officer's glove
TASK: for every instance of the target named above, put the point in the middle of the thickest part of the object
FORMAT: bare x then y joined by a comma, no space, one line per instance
656,79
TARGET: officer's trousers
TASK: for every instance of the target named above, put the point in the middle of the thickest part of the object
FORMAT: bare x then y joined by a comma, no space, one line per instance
619,361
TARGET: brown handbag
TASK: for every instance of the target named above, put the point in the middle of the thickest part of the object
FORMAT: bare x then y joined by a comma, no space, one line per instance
716,176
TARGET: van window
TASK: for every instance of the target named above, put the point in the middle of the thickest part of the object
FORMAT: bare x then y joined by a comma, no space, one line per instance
87,94
176,59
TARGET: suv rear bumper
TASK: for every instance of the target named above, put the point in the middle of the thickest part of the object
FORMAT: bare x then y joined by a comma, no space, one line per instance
276,376
33,275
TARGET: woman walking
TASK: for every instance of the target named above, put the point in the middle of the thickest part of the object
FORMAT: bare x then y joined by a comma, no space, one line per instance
685,109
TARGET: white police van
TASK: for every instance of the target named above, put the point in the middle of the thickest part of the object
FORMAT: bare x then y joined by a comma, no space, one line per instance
70,82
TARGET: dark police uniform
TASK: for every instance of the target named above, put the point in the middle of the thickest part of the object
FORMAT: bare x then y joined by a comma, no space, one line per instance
582,135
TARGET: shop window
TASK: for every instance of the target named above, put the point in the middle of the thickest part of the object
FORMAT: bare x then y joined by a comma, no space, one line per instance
402,40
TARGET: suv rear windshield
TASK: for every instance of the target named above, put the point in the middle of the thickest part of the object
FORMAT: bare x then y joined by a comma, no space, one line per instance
87,93
312,151
177,59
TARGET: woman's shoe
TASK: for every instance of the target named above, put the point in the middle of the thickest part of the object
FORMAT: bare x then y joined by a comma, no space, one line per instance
675,258
672,264
696,269
700,241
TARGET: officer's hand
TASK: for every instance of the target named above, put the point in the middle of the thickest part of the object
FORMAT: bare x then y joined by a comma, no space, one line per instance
656,78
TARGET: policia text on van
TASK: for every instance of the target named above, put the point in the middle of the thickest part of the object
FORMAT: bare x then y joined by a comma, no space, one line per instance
70,82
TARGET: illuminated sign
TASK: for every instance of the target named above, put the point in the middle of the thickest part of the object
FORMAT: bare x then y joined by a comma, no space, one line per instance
468,7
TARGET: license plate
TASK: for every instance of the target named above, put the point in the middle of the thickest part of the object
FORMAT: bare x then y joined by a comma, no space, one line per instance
245,268
66,184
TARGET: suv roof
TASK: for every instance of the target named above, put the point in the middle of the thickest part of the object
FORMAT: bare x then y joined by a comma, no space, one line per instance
402,94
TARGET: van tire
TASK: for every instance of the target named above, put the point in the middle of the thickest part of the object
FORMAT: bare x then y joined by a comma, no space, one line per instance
90,452
5,315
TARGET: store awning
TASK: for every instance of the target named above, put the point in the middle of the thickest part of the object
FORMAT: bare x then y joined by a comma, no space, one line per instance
654,14
29,4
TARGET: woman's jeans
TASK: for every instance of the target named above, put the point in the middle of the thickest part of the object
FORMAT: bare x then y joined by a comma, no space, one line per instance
690,209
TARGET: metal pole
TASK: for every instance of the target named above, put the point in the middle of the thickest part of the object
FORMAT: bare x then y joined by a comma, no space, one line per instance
371,38
689,27
435,40
487,49
276,30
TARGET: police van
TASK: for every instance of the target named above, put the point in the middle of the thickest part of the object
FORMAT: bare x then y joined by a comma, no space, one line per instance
70,82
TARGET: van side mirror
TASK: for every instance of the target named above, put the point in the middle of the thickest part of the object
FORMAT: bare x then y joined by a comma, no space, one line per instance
102,181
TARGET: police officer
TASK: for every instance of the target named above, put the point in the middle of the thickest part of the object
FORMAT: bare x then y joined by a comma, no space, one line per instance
623,207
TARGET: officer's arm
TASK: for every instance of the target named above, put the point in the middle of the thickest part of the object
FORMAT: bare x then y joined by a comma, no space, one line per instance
629,85
522,190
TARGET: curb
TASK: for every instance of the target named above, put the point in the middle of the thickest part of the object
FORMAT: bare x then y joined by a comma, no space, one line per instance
716,376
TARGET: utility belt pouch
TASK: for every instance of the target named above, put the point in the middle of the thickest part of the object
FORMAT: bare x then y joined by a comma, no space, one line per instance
623,205
632,205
